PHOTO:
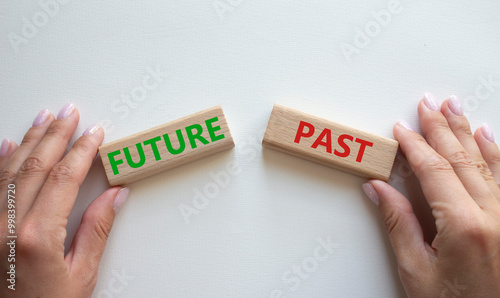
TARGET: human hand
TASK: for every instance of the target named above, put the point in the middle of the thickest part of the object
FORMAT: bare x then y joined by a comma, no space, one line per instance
44,184
460,174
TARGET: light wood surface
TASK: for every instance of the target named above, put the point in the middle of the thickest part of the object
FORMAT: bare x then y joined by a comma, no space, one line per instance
329,143
166,146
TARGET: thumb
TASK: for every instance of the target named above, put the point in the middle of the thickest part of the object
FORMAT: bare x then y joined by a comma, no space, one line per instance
90,238
405,232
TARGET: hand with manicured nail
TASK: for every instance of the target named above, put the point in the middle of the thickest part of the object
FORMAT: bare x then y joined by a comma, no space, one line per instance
40,183
460,174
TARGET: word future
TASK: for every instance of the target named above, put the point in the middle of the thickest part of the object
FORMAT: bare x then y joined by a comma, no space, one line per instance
329,143
166,146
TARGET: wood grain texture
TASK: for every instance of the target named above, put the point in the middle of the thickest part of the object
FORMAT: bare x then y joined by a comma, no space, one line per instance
329,143
166,146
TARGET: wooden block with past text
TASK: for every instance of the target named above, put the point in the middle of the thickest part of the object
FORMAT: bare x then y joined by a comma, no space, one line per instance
166,146
329,143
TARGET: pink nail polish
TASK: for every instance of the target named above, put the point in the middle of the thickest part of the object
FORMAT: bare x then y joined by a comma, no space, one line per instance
455,106
405,125
92,129
487,133
371,193
42,116
430,102
66,111
4,148
120,198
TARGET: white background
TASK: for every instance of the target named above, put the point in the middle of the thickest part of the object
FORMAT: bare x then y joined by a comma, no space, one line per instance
246,55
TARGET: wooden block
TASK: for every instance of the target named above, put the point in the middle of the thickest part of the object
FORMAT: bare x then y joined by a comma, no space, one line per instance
166,146
329,143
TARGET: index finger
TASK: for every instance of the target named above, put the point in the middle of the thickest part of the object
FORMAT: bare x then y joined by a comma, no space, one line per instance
442,188
6,149
58,194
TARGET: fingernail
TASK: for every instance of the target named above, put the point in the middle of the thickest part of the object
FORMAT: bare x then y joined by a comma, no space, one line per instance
371,193
4,148
66,111
42,116
487,133
92,129
430,102
455,106
405,125
120,198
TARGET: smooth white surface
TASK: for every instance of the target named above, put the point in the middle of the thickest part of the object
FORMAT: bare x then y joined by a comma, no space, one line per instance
267,219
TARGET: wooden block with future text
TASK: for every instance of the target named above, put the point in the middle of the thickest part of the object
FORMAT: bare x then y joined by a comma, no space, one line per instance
166,146
329,143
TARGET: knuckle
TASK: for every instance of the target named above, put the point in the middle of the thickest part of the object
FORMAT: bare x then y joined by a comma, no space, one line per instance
439,127
35,240
7,176
484,169
478,234
58,131
29,240
102,228
420,140
463,128
391,221
32,165
55,129
461,159
62,173
432,163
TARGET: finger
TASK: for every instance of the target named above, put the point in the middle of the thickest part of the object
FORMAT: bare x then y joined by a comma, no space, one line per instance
6,149
441,187
440,137
405,232
486,142
90,239
49,151
453,111
58,194
29,142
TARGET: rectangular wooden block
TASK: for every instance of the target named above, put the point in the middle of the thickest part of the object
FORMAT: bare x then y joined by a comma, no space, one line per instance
329,143
166,146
